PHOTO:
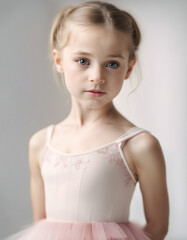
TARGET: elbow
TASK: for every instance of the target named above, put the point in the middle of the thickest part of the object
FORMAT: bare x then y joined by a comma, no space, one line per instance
161,235
155,234
162,232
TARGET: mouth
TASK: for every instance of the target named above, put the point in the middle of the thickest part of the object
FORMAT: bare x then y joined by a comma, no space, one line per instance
95,91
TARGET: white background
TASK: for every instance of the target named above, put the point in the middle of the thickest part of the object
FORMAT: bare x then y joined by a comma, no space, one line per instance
29,99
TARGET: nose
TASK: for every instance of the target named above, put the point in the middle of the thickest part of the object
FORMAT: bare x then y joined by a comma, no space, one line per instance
96,75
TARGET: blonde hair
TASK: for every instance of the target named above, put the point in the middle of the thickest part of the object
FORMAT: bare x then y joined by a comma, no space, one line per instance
94,13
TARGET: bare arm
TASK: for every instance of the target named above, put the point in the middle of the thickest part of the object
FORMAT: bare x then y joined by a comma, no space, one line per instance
150,168
36,181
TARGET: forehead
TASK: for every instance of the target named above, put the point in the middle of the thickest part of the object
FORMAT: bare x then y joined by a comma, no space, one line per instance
97,38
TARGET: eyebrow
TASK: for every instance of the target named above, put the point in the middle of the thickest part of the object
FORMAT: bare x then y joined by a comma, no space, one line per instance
112,55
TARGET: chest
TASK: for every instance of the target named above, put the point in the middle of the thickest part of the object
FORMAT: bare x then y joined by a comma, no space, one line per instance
75,143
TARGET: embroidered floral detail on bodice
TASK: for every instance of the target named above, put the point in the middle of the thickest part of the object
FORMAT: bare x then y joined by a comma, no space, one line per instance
111,153
93,186
58,160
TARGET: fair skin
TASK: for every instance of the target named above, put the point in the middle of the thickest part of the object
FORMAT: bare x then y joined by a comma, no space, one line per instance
90,119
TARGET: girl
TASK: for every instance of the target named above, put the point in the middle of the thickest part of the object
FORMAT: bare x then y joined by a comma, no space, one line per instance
84,169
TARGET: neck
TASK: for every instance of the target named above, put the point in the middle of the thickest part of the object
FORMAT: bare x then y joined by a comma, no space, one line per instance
82,117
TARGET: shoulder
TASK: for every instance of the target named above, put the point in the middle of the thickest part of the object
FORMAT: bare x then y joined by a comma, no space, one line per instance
37,140
145,153
142,142
142,146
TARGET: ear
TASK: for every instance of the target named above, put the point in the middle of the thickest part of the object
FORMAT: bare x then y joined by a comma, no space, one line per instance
57,60
130,67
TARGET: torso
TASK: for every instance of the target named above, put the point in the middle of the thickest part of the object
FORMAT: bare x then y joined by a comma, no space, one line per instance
68,140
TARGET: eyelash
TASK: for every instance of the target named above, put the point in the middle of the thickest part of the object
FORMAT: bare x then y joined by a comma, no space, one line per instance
109,62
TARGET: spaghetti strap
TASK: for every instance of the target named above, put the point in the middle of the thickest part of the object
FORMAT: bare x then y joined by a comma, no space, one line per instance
48,138
121,142
49,133
132,132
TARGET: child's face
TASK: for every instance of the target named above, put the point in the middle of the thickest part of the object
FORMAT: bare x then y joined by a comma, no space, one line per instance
94,58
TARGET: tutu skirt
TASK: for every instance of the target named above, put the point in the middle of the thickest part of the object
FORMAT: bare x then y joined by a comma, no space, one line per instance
48,229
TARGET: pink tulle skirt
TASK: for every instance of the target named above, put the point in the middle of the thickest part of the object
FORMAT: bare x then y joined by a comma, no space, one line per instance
48,229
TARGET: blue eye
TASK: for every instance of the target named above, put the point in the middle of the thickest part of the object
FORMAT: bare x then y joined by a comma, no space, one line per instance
82,61
113,64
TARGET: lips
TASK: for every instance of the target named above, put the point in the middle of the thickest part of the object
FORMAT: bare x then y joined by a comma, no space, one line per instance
95,91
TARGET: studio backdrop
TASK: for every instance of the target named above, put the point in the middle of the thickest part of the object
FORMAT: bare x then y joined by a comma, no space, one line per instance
30,99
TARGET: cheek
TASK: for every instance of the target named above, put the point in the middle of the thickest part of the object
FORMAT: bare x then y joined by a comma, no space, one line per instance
118,85
72,79
71,71
117,81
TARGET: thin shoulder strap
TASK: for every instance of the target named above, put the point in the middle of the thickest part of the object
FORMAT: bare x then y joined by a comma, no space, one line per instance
132,132
49,133
121,142
48,138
